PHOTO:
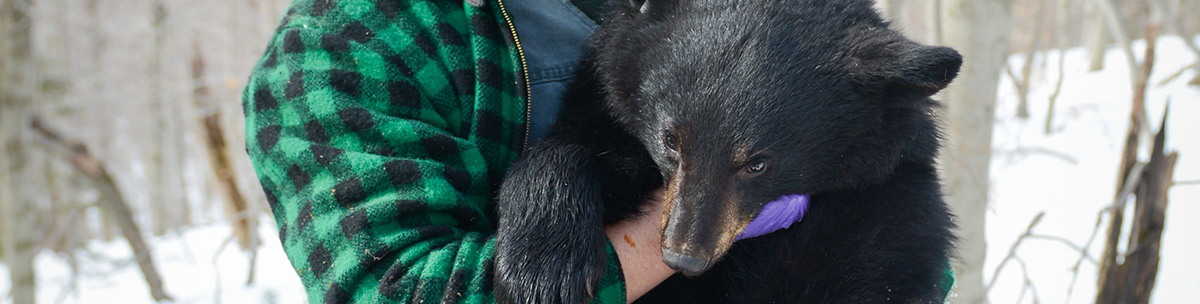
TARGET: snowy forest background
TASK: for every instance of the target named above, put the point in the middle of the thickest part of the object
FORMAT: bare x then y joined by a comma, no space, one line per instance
123,174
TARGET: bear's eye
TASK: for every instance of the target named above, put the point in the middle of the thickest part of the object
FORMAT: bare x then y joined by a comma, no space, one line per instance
670,142
757,166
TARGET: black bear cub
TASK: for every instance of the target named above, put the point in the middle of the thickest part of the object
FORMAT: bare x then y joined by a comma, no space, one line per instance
728,105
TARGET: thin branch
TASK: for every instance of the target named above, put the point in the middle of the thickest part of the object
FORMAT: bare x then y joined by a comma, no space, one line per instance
1024,289
1173,21
1084,254
1027,281
1178,73
1185,183
253,266
1064,241
1012,251
1131,182
216,267
1043,151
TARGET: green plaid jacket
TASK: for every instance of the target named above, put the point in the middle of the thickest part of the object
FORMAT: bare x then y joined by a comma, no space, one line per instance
379,130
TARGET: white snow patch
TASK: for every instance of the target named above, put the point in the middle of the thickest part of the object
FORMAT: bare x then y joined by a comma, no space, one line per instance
194,268
1071,174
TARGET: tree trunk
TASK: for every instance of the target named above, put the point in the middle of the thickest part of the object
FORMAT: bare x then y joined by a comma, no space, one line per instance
167,204
933,22
895,11
1097,39
1060,38
17,212
1130,277
1027,66
110,201
241,217
979,29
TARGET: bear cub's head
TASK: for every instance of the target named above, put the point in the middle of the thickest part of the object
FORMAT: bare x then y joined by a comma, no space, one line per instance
741,102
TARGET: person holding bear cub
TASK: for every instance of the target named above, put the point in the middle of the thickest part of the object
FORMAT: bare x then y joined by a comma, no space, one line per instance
381,131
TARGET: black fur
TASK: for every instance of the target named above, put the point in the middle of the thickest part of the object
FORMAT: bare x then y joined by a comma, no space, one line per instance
695,93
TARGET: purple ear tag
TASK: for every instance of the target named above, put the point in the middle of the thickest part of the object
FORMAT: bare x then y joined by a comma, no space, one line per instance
777,214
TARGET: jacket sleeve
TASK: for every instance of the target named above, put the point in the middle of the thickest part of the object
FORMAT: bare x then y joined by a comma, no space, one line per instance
378,130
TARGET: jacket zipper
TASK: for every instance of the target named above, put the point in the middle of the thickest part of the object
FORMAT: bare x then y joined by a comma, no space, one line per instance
524,71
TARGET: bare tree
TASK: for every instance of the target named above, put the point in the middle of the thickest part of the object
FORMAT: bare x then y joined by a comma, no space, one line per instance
110,200
1097,39
895,11
1060,38
18,79
1023,82
979,29
1129,277
237,210
1174,21
933,15
164,143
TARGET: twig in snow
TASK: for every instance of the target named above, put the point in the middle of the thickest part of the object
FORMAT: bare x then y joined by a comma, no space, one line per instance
1064,241
217,268
1084,254
1024,288
1012,251
1177,74
1027,283
1028,234
253,266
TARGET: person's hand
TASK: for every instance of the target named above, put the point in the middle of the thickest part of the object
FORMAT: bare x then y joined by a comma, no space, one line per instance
638,244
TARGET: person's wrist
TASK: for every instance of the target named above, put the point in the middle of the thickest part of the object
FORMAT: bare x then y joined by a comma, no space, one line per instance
638,244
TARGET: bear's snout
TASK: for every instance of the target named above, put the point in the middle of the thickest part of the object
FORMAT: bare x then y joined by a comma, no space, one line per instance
688,265
697,227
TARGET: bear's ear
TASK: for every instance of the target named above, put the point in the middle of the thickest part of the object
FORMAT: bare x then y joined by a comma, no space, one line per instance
900,68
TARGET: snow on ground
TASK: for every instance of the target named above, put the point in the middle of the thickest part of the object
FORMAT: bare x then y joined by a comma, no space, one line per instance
1071,174
194,266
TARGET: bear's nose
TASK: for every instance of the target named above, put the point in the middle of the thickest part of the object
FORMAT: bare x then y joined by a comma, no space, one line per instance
689,265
